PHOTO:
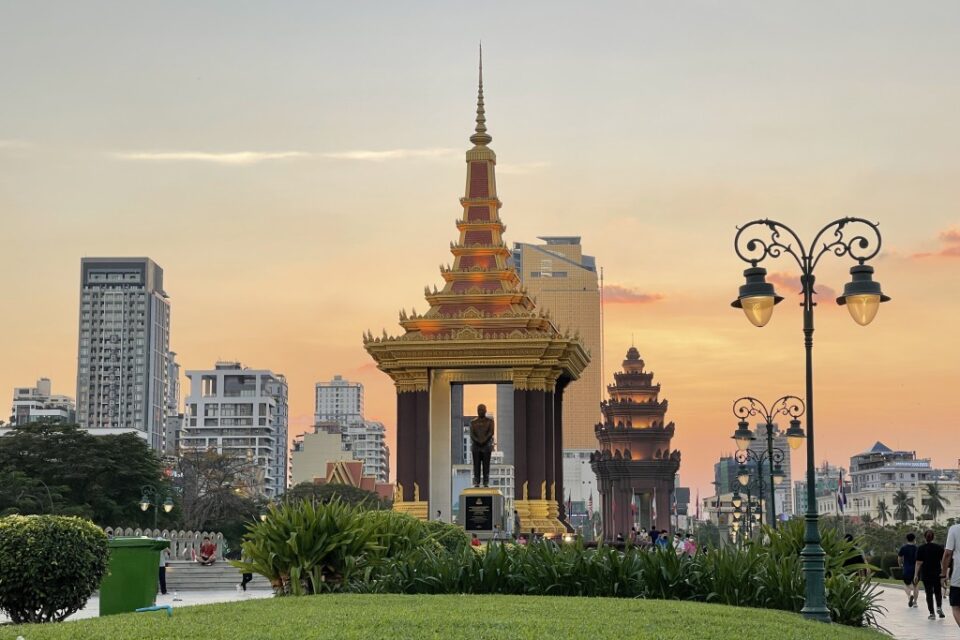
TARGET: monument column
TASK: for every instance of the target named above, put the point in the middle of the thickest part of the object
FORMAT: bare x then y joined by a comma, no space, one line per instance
413,426
558,451
519,443
406,432
536,457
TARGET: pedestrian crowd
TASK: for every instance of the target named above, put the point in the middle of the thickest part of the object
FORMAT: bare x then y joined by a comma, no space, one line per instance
932,565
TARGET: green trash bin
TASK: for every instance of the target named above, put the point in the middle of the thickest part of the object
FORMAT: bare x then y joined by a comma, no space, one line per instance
131,580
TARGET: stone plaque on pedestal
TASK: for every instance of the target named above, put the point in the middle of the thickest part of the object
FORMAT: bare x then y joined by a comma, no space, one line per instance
481,511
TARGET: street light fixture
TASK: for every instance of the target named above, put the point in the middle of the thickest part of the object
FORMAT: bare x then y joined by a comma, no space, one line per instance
150,497
772,457
862,297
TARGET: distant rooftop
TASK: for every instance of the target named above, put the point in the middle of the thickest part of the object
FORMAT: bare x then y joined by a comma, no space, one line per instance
560,239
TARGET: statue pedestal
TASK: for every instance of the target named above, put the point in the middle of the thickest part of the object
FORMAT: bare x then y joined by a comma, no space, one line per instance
480,509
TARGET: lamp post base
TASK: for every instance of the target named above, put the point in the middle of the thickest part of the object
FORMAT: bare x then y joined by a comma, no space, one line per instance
814,570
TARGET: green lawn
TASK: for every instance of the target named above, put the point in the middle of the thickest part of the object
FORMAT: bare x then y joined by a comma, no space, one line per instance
446,617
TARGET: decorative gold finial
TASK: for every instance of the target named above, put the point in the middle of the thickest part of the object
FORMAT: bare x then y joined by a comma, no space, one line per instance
481,138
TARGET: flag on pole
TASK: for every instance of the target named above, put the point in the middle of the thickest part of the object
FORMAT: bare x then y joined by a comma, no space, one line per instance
841,494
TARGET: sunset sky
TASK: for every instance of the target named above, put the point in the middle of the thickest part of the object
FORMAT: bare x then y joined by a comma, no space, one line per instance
295,169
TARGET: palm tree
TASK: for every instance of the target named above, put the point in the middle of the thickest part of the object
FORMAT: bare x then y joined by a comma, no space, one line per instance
883,512
935,501
902,506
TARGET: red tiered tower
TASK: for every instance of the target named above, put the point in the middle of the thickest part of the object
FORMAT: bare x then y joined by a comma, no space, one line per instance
635,467
480,290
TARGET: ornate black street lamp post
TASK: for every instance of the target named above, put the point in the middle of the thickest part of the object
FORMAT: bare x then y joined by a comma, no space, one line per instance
748,406
862,297
151,498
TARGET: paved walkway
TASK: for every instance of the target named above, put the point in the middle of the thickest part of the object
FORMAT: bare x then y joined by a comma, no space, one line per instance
181,599
912,624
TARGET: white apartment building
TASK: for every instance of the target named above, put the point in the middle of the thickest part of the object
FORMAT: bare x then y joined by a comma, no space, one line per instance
368,442
242,412
124,346
33,404
339,401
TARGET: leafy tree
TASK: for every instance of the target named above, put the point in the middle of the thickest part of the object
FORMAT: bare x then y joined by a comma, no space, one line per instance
883,512
218,493
902,506
97,477
935,500
22,494
327,492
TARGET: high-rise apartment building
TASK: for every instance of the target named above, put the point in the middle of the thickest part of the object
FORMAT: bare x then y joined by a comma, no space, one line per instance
124,346
173,416
339,401
33,404
565,283
240,412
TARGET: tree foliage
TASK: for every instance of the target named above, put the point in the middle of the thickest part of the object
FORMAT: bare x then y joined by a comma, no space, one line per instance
883,512
343,492
218,493
935,502
902,506
52,467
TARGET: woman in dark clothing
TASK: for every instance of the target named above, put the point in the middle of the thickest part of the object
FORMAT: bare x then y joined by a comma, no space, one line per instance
928,570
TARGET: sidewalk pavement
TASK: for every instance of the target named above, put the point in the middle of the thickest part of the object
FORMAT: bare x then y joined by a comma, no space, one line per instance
176,600
912,624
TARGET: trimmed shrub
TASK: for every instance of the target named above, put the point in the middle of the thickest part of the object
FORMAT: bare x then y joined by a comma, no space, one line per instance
49,566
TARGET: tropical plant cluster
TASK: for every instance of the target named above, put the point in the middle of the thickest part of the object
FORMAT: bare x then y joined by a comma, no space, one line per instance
49,566
306,548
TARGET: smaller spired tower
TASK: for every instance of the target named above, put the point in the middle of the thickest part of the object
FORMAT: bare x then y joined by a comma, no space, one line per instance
635,466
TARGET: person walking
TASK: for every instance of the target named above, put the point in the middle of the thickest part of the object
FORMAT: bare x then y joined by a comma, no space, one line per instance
949,549
907,559
929,556
516,524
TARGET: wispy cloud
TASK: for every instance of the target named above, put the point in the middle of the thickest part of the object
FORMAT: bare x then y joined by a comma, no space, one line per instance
949,245
253,157
616,294
228,158
389,154
522,168
787,283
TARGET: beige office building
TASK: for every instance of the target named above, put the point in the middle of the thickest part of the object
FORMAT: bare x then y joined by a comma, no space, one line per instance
564,281
312,451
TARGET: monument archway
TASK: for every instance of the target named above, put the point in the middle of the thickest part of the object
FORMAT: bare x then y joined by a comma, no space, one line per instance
481,327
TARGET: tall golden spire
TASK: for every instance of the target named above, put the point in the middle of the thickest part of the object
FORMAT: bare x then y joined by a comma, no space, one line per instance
481,138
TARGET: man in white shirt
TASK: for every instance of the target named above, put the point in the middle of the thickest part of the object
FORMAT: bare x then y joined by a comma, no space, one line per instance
950,548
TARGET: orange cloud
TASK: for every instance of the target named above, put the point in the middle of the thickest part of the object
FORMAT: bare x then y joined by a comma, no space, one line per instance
615,294
950,239
790,283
